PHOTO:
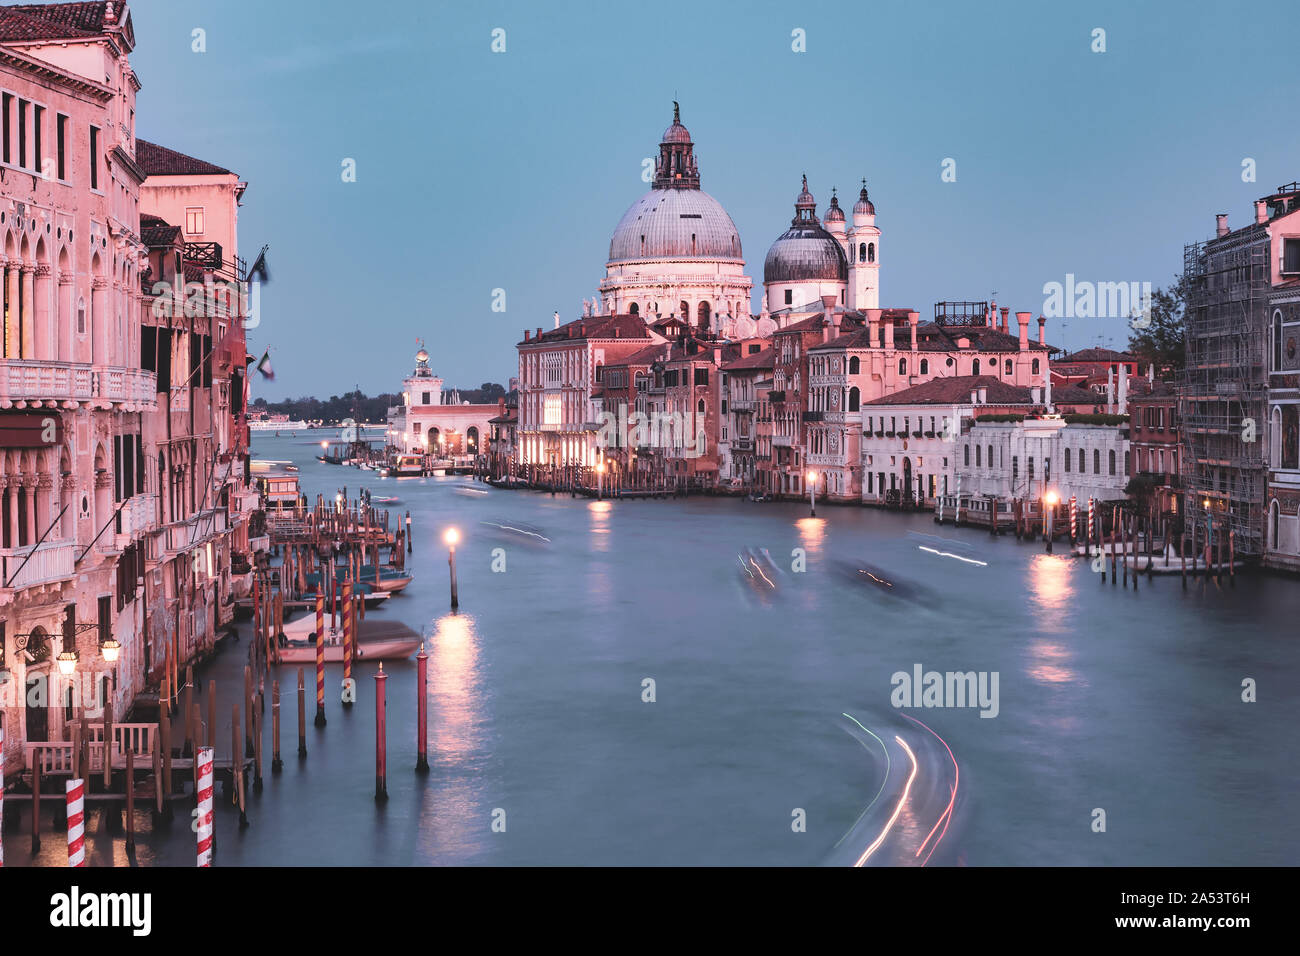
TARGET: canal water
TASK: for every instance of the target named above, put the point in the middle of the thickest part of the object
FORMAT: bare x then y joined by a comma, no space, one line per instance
769,642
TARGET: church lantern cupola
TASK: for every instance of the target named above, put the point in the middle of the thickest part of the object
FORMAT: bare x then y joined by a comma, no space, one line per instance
675,168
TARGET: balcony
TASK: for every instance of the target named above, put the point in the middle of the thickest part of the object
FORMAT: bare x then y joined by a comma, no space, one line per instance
742,444
51,562
125,385
782,441
184,535
136,518
27,380
34,380
742,404
814,416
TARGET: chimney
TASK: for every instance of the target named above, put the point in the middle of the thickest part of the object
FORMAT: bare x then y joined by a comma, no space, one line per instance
1023,318
539,332
873,325
1221,225
1110,390
1261,211
836,319
527,335
1047,389
1123,389
501,405
828,303
717,355
1042,340
889,332
557,320
1005,313
913,320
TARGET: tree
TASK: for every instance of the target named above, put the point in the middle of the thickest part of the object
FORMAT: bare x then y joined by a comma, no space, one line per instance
1157,335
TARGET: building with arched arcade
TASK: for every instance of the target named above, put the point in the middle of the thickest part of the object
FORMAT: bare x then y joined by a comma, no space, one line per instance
432,421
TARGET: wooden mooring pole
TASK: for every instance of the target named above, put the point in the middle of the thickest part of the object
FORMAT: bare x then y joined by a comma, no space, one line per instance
276,763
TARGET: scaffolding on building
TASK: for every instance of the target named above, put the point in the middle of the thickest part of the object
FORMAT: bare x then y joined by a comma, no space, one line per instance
1223,388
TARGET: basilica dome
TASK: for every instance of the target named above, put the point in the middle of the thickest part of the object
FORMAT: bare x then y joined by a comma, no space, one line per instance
805,251
675,223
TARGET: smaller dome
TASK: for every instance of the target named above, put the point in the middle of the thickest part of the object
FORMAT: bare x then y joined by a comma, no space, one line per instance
422,356
677,133
864,205
834,213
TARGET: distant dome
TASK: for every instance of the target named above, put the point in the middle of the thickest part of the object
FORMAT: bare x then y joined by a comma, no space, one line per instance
805,251
864,205
422,356
834,213
675,224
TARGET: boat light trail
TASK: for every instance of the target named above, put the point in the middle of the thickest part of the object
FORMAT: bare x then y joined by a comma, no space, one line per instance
949,554
947,814
888,765
897,810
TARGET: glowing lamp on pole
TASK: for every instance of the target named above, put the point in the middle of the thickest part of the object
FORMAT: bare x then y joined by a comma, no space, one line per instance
1050,500
450,537
812,493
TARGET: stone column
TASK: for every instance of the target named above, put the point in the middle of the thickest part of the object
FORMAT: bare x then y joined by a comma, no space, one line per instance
29,310
100,321
14,484
33,532
67,496
65,320
11,310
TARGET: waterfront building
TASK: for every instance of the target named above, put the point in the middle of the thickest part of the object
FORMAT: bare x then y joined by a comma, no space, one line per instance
691,423
1023,459
1154,443
432,422
1282,531
621,402
502,440
911,439
196,305
1224,390
558,369
76,497
744,398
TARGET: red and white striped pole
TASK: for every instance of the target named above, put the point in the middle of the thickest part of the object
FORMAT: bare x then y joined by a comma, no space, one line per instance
1074,518
1090,518
347,635
204,795
76,796
320,661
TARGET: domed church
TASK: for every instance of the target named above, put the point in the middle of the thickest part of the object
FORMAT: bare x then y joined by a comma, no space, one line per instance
676,252
810,260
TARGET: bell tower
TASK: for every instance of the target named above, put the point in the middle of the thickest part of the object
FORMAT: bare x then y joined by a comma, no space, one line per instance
864,255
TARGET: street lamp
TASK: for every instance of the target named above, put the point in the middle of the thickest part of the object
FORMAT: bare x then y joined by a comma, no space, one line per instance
812,493
451,536
1050,499
67,661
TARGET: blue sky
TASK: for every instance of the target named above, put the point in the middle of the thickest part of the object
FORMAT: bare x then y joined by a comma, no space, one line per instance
478,170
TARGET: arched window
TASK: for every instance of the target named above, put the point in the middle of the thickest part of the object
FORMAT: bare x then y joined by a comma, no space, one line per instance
1096,461
871,252
853,365
1277,340
684,312
862,252
925,366
977,456
1083,464
1111,461
634,309
975,367
854,399
1008,366
471,439
1035,367
902,366
702,313
967,448
700,407
1067,460
990,456
81,316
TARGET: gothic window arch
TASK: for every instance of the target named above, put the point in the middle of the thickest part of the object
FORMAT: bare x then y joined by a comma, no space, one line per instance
1035,367
902,366
854,399
854,365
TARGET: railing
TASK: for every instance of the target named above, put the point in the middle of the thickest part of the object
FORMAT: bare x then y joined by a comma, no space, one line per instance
52,561
742,404
137,516
814,416
27,380
125,385
55,756
183,535
204,254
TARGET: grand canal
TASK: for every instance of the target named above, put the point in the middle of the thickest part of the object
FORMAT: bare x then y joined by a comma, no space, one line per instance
1107,699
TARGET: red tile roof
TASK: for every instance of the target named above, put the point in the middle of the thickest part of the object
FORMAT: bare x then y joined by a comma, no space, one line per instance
646,356
158,160
756,361
155,231
1098,355
595,327
955,390
52,21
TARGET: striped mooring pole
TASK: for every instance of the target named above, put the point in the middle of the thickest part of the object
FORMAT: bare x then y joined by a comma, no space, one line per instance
76,796
204,796
1090,518
347,638
1074,518
320,661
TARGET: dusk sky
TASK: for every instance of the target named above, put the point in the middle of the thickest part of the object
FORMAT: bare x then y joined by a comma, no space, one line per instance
478,170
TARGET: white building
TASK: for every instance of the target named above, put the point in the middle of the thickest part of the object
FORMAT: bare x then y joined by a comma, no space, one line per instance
1026,458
